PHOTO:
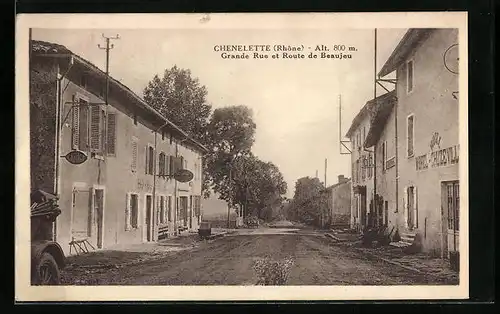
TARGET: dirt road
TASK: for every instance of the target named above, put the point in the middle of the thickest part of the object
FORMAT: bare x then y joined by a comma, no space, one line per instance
229,260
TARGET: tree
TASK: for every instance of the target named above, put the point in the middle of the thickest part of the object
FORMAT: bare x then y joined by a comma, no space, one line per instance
230,134
181,99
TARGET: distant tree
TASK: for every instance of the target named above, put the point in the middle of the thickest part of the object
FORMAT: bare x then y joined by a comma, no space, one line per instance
307,201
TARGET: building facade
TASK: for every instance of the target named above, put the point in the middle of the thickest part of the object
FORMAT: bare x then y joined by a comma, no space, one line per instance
362,161
428,143
339,202
124,192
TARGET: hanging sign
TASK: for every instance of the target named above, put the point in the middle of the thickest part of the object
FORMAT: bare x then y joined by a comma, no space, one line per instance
183,175
76,157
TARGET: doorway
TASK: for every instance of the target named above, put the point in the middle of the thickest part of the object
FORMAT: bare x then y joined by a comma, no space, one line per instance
81,221
411,213
450,216
149,218
98,217
183,202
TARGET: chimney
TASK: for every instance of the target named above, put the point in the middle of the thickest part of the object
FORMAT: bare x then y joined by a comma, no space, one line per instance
342,179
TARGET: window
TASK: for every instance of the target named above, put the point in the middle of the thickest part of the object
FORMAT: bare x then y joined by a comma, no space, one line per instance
363,167
384,155
197,205
162,164
169,208
80,127
111,134
410,76
410,135
133,165
150,159
96,129
132,211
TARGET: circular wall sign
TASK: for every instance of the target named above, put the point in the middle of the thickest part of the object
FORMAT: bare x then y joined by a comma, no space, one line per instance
76,157
183,175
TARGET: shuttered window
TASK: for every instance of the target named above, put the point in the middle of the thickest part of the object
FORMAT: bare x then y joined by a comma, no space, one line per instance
169,207
161,164
134,210
409,135
111,134
150,160
76,125
83,141
95,124
133,165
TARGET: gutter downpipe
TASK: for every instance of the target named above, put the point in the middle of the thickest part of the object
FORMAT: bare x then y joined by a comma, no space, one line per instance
175,185
154,182
59,97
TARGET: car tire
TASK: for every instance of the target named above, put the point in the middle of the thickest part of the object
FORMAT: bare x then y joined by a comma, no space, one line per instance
47,271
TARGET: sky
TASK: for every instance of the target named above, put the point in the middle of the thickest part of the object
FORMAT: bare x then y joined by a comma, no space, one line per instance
295,102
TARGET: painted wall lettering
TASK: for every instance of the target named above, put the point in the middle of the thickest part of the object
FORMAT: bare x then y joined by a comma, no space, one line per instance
144,186
443,157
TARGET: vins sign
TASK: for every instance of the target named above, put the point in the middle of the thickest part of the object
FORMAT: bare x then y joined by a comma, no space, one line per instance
76,157
438,158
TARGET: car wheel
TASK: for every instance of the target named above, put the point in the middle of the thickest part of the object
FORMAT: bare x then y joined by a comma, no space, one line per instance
47,271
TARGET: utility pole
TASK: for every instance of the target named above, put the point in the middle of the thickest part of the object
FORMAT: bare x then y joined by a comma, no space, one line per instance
104,145
107,48
326,165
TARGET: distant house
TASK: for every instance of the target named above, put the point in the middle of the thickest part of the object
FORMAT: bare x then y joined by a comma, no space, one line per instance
337,201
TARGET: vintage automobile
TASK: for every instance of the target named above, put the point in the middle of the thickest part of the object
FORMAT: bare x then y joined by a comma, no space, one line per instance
47,256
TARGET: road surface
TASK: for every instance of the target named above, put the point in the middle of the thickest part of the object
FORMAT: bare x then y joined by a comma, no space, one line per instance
229,260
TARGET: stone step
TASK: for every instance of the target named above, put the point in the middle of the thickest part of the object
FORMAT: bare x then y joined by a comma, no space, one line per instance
400,244
407,239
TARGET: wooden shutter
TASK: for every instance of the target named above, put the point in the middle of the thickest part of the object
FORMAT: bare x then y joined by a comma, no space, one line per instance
127,212
102,132
111,134
133,165
84,126
95,124
161,164
171,162
405,206
415,208
75,140
146,158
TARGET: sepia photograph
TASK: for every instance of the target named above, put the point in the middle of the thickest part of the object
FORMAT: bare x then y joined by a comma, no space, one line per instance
241,152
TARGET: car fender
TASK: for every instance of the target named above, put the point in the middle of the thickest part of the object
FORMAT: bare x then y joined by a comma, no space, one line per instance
51,247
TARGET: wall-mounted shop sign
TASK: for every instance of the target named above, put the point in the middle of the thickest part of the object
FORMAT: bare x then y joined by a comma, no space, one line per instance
76,157
144,186
391,162
183,175
439,158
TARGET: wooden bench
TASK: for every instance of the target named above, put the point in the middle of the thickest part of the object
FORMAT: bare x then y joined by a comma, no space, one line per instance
80,246
162,232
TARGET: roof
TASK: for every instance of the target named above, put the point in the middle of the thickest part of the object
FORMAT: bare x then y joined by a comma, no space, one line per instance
369,109
347,180
410,41
55,50
379,119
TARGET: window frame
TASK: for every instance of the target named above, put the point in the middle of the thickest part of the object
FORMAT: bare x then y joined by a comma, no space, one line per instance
129,215
412,62
109,114
408,155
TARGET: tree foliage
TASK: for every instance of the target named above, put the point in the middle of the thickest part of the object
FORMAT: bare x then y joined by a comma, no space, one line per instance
230,168
307,201
182,99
